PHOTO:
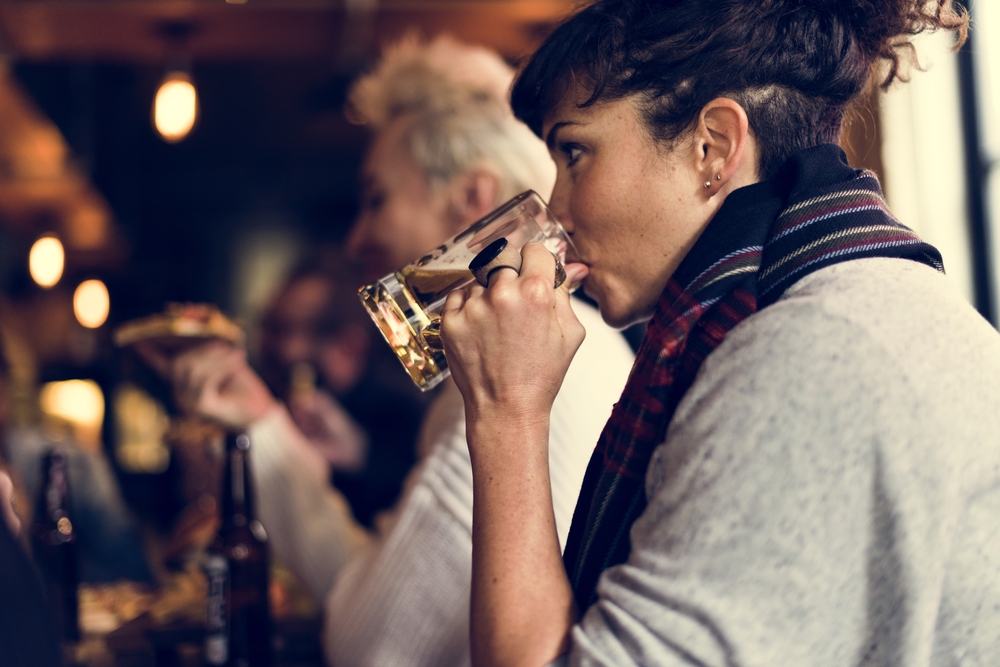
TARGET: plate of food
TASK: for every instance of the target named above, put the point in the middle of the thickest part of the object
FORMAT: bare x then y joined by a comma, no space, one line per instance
180,326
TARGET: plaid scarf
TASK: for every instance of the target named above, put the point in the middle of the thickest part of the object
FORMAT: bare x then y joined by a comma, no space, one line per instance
817,212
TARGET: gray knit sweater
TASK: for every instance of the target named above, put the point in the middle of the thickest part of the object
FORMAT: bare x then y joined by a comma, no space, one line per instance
829,491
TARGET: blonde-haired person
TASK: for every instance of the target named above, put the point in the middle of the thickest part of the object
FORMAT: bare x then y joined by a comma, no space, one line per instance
445,150
444,144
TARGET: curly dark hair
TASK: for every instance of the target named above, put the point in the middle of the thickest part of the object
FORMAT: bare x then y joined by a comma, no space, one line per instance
793,65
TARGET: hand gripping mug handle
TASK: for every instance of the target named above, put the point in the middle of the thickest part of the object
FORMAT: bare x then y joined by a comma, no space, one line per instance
501,255
497,255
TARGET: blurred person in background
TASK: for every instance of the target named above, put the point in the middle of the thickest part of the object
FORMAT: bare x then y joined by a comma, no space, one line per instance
445,150
109,542
28,636
317,356
108,538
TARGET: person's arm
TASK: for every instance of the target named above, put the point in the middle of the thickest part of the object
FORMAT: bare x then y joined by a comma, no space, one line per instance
405,599
310,525
522,603
509,348
330,429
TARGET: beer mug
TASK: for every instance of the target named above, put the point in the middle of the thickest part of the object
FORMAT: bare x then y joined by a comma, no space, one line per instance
406,305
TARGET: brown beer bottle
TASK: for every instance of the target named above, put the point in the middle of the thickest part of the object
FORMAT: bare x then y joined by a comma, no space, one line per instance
238,632
53,542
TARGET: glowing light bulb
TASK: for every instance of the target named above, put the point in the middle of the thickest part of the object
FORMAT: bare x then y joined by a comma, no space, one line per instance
175,108
46,261
80,402
91,303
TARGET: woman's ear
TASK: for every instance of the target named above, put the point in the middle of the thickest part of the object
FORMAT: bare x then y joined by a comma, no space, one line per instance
472,194
724,151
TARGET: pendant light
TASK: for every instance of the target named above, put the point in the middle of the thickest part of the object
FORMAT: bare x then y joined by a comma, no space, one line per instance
176,106
46,260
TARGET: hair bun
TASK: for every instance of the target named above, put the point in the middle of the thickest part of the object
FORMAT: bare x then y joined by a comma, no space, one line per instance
883,28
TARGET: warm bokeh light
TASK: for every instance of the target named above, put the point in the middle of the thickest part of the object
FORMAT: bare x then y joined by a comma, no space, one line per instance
175,109
46,261
91,303
80,402
141,425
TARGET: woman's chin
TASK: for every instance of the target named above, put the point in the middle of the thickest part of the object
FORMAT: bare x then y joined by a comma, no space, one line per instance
615,312
615,317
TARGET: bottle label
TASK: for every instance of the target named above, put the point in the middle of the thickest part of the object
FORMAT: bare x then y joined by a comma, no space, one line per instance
217,627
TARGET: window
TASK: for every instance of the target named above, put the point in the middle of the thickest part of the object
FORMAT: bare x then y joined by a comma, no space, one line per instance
985,80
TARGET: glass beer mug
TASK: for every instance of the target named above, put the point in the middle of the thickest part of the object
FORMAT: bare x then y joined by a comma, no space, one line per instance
406,303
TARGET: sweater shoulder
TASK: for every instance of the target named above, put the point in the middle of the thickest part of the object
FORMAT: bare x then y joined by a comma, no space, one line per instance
896,318
875,353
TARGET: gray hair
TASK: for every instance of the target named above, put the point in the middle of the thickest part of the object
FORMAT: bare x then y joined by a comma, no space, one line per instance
455,97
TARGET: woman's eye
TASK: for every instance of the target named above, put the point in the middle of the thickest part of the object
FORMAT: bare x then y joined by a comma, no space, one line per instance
572,153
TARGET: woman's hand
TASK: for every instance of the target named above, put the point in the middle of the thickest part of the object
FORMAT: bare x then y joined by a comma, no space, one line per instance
330,429
509,346
215,381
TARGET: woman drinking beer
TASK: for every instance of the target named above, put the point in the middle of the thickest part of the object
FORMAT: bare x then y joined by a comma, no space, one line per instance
803,468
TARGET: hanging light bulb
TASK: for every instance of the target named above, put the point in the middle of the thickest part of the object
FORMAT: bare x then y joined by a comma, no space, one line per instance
175,108
46,260
91,303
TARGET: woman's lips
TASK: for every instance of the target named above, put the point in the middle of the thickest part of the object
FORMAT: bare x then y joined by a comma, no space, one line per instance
576,273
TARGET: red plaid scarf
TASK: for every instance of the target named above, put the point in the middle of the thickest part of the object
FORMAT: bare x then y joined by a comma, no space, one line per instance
816,213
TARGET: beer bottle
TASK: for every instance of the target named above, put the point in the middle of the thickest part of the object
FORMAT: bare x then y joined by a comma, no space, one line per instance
53,541
239,623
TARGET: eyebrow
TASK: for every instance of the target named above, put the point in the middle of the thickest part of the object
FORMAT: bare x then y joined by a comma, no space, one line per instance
550,139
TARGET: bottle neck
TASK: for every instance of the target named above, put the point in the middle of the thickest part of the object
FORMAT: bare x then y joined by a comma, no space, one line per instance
53,499
237,494
52,525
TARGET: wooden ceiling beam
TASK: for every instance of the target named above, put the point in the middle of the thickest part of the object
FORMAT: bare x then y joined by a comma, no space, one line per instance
40,189
134,30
